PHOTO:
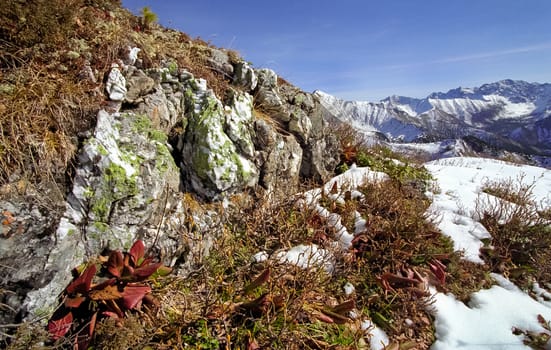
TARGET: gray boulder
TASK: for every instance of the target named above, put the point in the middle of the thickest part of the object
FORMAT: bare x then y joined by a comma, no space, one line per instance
280,157
219,60
267,96
138,85
217,145
244,76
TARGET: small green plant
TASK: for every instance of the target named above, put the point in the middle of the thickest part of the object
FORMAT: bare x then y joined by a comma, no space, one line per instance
148,18
109,291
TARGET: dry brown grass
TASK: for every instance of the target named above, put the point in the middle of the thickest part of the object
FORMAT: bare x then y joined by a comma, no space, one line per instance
520,228
233,302
43,102
41,117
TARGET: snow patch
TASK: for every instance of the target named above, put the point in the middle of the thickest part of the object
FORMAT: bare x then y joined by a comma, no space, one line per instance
486,321
378,339
307,257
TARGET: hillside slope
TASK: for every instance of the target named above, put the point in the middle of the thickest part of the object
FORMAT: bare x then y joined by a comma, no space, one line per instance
159,192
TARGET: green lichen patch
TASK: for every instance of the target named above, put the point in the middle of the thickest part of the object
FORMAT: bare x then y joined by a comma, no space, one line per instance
217,143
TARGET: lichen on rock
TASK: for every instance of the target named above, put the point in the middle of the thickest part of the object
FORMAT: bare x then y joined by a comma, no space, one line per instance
125,173
217,146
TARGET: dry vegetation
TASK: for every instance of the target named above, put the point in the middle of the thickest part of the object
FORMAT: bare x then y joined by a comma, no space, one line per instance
232,302
521,231
46,100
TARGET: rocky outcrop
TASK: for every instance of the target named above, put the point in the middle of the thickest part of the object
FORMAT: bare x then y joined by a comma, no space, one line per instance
217,149
245,76
279,156
320,146
129,179
125,181
267,96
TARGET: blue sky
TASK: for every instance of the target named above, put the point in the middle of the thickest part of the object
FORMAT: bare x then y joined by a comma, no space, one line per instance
367,50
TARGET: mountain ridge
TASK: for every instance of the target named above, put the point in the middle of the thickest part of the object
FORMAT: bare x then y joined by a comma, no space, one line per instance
511,114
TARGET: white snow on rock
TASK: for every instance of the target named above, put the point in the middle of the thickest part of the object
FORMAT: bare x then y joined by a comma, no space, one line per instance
349,289
347,181
260,257
133,55
307,256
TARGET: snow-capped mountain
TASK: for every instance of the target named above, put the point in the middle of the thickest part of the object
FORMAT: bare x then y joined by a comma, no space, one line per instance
511,115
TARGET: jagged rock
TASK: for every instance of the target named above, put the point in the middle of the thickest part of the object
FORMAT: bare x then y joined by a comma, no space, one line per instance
220,61
280,157
139,85
125,181
320,158
320,146
244,76
267,96
116,84
212,163
239,122
185,76
132,55
300,125
163,113
25,243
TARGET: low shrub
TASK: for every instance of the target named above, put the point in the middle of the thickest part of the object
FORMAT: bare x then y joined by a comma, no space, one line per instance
520,230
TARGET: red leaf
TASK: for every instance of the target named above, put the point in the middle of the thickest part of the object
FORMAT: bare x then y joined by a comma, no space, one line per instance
323,317
132,295
137,252
85,334
82,283
58,328
261,279
127,271
390,281
115,263
142,273
343,308
439,271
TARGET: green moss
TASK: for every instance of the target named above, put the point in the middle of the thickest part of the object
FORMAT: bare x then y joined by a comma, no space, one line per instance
89,192
101,226
172,68
116,184
157,135
100,208
102,150
164,160
141,123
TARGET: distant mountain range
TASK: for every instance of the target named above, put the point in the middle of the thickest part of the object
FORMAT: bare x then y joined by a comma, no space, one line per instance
509,115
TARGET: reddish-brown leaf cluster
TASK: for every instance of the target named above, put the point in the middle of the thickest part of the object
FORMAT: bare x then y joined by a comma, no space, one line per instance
120,291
